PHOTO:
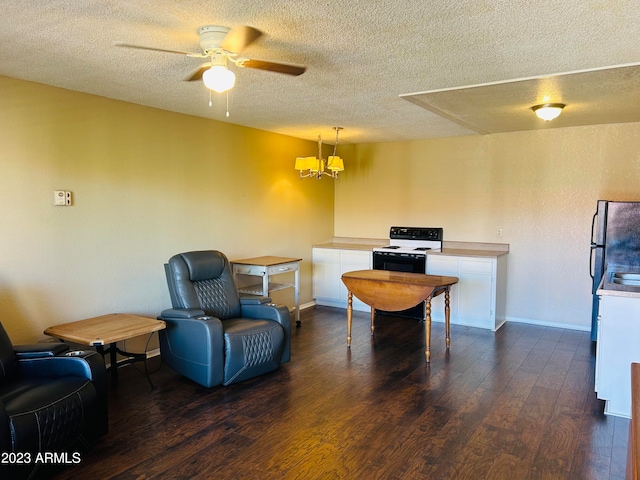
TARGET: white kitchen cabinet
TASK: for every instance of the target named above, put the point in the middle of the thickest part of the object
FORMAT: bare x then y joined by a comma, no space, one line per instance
616,349
328,266
478,299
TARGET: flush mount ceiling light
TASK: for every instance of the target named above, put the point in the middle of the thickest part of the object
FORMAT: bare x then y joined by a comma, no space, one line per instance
312,167
548,111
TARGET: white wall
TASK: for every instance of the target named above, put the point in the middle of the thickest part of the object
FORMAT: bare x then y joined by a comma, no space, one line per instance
540,187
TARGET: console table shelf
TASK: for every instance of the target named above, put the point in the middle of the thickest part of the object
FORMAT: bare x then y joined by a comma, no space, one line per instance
257,289
266,267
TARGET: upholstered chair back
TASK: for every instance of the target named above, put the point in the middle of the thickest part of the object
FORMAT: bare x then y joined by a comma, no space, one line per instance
8,360
203,280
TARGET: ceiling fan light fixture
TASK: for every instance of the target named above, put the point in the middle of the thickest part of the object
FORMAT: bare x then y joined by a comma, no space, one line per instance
548,111
219,78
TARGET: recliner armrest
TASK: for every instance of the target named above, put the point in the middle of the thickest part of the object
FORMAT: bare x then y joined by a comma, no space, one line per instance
38,350
271,311
89,365
254,300
181,313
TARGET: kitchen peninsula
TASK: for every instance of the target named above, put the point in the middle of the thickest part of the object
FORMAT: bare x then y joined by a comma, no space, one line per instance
617,345
478,300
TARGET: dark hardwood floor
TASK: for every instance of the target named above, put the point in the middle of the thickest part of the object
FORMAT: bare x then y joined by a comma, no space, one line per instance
514,404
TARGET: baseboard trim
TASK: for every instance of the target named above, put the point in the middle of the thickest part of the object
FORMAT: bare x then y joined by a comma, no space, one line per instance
542,323
357,306
304,306
153,353
502,322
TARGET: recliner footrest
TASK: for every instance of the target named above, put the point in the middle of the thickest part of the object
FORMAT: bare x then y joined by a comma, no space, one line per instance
47,414
252,347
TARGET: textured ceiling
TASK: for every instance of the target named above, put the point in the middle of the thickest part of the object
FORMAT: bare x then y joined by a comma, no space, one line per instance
362,55
610,95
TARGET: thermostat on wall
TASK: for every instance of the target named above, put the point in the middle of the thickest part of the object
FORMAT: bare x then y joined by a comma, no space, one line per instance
62,198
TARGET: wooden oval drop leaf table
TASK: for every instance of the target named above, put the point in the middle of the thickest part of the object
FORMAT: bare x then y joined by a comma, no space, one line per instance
396,291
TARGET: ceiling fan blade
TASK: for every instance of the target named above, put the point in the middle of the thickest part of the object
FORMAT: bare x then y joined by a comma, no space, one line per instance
239,37
274,67
197,75
139,47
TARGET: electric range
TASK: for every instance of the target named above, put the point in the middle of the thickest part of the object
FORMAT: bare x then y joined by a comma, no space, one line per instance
407,252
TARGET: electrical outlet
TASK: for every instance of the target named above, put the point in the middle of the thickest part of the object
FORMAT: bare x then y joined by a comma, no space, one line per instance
499,232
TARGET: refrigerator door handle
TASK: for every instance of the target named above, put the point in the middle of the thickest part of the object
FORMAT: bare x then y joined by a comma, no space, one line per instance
593,225
593,249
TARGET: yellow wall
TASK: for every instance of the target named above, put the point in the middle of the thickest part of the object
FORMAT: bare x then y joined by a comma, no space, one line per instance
146,184
540,187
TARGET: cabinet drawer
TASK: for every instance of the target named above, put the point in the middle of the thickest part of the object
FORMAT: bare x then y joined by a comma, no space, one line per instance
285,267
249,270
476,265
356,257
441,263
326,255
355,261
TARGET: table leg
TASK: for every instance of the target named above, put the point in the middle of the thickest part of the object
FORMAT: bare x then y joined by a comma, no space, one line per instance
265,285
112,359
296,294
114,362
447,318
427,329
349,317
373,316
131,357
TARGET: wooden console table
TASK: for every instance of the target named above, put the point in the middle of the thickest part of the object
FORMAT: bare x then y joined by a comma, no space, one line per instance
108,330
266,267
396,291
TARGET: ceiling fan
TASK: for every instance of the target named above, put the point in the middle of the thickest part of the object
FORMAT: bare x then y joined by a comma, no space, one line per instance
221,45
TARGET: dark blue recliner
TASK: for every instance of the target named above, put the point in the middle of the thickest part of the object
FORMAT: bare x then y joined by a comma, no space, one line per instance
52,402
213,336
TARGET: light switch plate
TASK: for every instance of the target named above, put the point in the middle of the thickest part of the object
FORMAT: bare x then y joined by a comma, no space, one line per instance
62,197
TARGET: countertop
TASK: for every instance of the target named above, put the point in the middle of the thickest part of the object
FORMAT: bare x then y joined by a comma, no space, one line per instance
457,249
617,293
348,243
629,292
470,252
349,246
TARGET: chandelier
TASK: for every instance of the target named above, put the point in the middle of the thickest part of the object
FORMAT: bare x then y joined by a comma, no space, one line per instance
312,167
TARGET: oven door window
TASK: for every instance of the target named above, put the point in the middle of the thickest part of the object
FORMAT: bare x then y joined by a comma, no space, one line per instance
402,263
398,263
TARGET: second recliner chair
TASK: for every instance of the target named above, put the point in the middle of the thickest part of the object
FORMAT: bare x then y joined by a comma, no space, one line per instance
213,336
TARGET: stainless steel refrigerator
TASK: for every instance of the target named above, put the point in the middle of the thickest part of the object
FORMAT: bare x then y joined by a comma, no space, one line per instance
615,243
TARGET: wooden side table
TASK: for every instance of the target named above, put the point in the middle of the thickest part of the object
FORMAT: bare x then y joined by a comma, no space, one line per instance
267,267
108,330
